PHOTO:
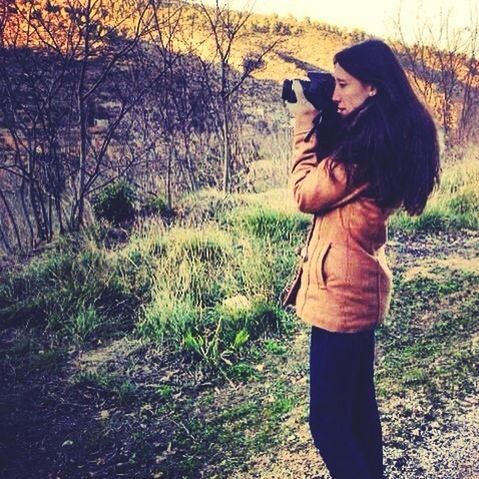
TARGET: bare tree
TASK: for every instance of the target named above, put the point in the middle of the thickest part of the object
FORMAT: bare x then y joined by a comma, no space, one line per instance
94,23
91,90
227,27
172,116
173,103
442,61
33,109
72,59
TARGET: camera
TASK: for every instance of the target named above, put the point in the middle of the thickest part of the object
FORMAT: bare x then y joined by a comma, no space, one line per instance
318,90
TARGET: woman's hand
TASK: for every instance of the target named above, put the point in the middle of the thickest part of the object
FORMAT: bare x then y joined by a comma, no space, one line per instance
302,105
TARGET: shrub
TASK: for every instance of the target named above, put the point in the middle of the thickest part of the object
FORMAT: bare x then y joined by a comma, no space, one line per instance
116,202
156,205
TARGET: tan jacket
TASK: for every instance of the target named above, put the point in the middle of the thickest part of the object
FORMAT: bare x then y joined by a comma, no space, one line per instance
343,283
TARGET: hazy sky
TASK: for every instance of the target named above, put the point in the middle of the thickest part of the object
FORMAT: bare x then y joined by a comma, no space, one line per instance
373,16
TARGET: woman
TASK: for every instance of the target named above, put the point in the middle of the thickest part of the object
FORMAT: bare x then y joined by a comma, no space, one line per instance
386,156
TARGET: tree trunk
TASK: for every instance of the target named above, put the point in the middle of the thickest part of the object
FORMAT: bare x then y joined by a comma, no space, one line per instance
4,238
83,123
82,163
226,147
37,210
25,211
58,208
12,219
168,179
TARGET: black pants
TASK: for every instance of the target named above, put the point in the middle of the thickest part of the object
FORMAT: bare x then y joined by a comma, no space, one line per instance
344,418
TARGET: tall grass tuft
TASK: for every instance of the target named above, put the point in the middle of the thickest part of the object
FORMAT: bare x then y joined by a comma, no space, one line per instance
271,225
207,205
188,278
74,290
214,291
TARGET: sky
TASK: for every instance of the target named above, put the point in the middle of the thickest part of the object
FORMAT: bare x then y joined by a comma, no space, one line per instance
373,16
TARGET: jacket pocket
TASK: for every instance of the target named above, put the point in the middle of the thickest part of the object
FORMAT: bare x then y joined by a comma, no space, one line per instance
321,276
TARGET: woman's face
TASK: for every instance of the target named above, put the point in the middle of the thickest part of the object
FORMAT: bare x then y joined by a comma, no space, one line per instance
349,92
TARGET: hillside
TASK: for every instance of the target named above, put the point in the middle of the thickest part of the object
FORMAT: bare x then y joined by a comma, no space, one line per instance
300,45
76,114
446,80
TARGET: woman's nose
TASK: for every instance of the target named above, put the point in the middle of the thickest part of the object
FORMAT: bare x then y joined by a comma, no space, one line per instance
335,96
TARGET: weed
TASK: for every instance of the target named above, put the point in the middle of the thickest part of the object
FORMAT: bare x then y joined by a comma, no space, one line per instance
84,324
281,406
77,294
275,347
243,372
167,319
165,392
122,389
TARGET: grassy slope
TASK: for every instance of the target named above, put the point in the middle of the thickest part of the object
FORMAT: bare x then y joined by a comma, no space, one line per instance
225,383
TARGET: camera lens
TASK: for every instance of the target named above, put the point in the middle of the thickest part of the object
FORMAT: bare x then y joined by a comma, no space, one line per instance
288,92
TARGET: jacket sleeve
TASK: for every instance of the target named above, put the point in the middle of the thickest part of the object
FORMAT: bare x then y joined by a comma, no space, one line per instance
313,188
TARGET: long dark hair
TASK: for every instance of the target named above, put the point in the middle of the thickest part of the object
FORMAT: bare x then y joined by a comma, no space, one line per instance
391,139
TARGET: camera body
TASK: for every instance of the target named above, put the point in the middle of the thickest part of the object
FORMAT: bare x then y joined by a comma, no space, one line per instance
318,90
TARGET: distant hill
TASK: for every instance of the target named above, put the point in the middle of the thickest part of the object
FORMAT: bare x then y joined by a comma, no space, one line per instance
302,44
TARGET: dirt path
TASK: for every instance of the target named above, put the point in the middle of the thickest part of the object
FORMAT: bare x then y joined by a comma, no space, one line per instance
444,449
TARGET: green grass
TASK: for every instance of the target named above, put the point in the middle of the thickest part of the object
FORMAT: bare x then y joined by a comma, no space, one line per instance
224,293
76,294
428,340
209,297
177,286
212,432
453,206
121,389
230,433
268,224
207,293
